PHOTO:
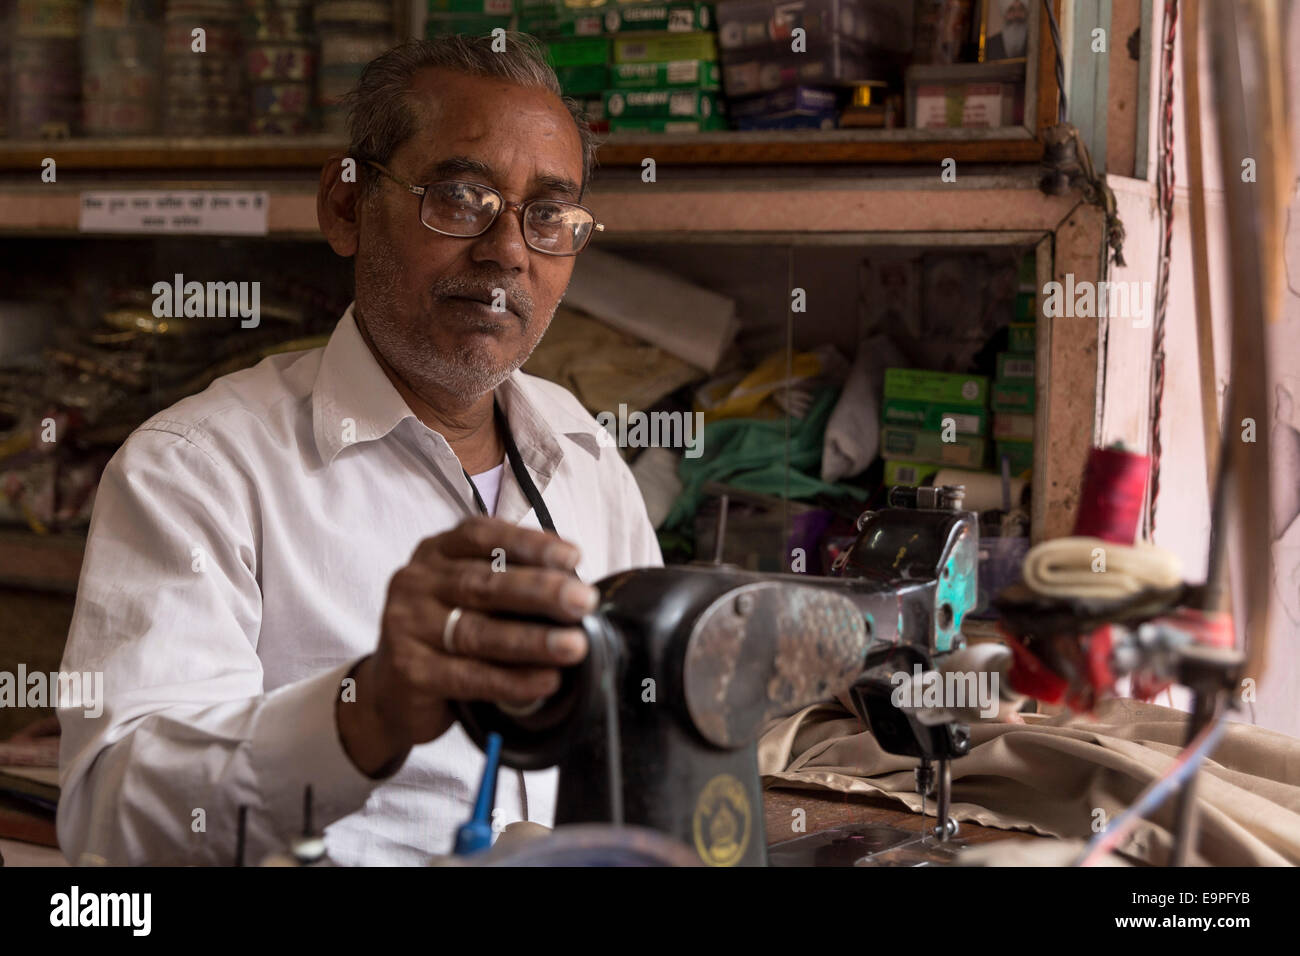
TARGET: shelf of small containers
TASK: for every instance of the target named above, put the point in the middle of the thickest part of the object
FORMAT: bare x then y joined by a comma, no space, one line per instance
178,68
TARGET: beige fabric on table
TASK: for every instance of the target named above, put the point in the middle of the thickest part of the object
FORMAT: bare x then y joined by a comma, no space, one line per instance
605,367
1048,776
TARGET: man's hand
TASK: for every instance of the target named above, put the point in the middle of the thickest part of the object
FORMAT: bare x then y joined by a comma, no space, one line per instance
403,690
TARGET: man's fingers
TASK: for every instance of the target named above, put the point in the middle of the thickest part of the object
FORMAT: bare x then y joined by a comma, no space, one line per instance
516,642
466,679
480,537
538,592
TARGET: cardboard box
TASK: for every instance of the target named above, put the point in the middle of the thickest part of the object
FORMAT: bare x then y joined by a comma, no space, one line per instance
930,416
1021,340
677,17
828,61
801,100
965,95
913,444
701,74
1026,306
661,47
585,51
583,80
1015,395
922,386
898,472
1021,454
472,24
562,26
1013,426
877,26
496,8
1013,366
653,104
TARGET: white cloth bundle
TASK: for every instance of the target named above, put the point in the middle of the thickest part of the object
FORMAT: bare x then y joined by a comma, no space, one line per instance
1091,567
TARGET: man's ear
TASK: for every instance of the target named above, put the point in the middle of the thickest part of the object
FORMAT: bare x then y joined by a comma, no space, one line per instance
337,202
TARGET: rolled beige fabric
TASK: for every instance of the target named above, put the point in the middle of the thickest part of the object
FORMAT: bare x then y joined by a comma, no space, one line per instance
1091,567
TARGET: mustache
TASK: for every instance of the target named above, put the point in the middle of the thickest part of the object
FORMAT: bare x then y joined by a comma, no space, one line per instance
486,290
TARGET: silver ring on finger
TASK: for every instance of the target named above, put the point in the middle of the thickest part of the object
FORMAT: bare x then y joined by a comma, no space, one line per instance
449,630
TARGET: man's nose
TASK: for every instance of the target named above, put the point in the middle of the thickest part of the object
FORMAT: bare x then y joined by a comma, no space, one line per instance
504,242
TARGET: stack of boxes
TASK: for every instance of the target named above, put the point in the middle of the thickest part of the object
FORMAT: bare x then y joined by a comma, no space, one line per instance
776,78
471,17
637,67
352,33
280,59
915,437
1013,389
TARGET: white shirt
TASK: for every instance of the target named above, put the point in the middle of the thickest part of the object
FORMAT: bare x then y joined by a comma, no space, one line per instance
237,565
489,486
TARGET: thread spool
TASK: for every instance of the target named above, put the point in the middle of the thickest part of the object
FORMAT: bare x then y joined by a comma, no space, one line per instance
1111,500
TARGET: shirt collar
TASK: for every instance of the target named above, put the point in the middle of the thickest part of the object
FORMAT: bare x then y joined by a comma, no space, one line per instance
353,401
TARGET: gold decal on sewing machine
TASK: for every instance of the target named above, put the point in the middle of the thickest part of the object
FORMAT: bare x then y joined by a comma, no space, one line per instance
723,821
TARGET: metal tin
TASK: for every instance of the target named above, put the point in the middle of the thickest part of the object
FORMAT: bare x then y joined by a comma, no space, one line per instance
47,19
266,62
275,99
354,11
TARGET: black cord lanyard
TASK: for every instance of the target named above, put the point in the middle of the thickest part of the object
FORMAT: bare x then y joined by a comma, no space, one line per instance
543,518
521,475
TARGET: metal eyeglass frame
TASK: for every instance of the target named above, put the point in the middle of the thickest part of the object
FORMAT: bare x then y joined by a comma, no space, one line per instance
505,204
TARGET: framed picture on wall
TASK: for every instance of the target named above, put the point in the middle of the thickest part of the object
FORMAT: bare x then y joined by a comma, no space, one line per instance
1004,30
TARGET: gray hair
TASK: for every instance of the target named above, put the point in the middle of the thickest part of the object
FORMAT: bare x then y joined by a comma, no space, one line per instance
380,118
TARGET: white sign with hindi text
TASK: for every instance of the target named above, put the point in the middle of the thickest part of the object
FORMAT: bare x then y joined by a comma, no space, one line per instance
221,212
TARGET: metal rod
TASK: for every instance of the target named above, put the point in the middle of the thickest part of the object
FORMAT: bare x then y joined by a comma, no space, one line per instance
945,798
720,533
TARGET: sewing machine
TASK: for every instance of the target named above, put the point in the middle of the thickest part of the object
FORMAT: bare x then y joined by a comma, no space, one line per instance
657,727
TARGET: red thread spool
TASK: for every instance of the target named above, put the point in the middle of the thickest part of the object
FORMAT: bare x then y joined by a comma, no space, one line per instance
1114,489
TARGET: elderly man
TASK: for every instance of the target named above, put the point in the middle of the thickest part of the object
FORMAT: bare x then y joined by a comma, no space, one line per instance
289,577
1013,39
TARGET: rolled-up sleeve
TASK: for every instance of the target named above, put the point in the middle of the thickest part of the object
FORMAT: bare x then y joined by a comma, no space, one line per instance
167,616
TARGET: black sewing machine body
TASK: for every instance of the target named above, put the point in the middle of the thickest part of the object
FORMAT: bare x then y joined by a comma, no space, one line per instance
688,663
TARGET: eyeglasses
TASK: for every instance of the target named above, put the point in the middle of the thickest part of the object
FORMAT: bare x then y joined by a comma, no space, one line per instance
465,210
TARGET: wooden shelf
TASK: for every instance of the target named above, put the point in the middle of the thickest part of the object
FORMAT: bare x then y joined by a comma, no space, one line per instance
746,204
813,147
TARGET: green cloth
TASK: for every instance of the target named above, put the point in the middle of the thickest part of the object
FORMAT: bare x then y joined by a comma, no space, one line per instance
750,454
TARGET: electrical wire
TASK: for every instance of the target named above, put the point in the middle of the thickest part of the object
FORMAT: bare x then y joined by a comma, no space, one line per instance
1160,789
1060,62
1165,202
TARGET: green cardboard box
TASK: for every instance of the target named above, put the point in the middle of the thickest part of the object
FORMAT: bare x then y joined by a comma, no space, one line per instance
683,16
583,80
1015,395
1014,366
575,24
652,104
1013,426
898,472
701,74
661,47
585,51
1021,339
495,8
967,419
471,24
922,386
913,444
1028,273
1021,454
1026,306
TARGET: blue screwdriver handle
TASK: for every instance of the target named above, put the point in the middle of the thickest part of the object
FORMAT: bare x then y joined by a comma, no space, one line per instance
475,835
